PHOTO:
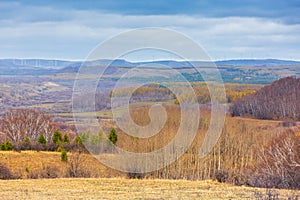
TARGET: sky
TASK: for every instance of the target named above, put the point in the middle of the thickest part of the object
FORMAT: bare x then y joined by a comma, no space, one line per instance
225,29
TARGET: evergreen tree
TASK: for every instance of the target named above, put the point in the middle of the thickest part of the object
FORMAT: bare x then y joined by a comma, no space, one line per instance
64,155
42,139
27,140
78,141
3,147
113,137
57,137
66,139
9,146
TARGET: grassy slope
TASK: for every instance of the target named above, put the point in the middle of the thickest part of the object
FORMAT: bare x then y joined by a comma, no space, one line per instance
110,188
36,161
117,188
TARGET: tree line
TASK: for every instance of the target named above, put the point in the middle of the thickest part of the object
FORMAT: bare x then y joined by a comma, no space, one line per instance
161,93
280,100
25,129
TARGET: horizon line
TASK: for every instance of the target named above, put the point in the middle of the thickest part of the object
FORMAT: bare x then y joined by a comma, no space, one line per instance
154,60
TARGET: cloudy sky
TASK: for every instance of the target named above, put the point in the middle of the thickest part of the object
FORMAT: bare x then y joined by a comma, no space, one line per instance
226,29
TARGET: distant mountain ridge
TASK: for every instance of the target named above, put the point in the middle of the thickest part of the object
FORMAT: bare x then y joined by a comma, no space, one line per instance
58,64
44,66
257,62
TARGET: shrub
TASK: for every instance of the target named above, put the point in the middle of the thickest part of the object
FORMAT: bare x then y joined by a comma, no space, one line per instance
66,139
52,147
85,136
42,139
269,195
5,172
78,140
64,156
222,176
113,137
132,175
9,146
33,175
3,146
37,146
27,140
26,145
77,166
27,170
18,146
57,137
59,149
49,172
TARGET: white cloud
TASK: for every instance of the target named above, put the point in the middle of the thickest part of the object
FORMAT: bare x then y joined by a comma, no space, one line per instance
55,33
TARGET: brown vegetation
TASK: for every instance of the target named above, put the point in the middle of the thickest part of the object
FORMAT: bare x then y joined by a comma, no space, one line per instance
248,152
157,92
25,129
244,146
20,123
33,165
280,100
279,161
120,188
236,157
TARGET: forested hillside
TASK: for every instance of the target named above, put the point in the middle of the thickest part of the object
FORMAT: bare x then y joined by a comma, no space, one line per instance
280,100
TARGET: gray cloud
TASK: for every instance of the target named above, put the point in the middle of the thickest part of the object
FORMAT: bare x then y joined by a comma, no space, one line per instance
49,32
288,11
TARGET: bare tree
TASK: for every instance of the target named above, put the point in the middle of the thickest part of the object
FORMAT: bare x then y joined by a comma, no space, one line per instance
18,124
280,161
280,100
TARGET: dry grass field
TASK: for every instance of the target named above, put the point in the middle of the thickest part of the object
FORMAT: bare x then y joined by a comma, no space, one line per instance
25,163
112,188
120,188
104,187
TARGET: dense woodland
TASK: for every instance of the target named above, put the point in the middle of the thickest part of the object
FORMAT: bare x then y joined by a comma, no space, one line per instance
280,100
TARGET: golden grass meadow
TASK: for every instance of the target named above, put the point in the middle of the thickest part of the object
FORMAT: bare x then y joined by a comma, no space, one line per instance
121,188
112,188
